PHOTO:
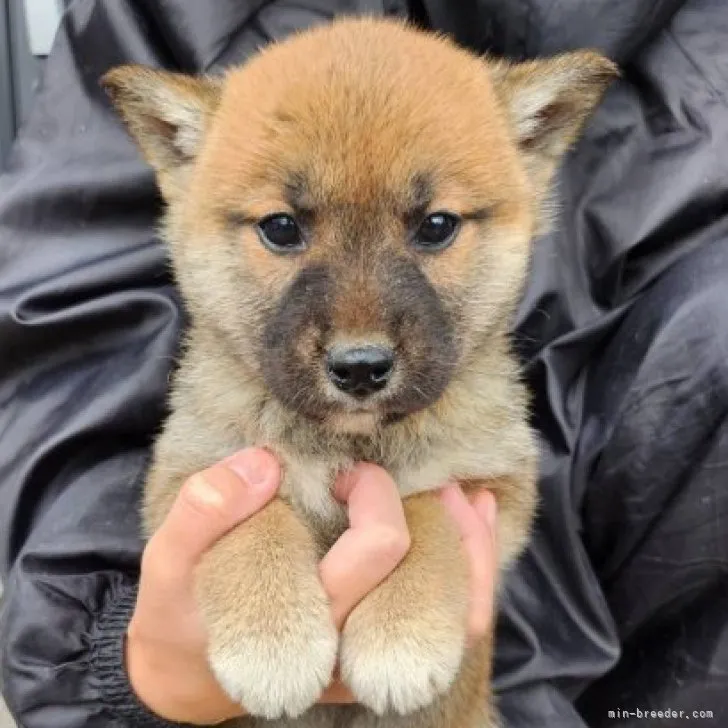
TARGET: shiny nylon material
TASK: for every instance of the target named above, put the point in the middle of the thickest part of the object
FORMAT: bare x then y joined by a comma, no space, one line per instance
621,602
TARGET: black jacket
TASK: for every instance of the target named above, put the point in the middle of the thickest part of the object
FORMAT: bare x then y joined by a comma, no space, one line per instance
621,604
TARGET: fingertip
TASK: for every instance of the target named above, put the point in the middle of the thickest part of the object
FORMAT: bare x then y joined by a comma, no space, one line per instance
345,482
479,625
452,495
257,467
486,506
361,475
459,508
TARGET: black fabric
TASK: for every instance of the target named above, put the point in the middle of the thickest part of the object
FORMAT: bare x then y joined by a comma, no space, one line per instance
108,640
621,602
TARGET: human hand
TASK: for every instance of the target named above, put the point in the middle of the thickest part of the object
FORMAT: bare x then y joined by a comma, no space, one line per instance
372,548
166,645
166,648
166,642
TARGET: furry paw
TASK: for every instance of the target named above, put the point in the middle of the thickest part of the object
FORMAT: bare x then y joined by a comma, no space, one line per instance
280,673
272,641
403,667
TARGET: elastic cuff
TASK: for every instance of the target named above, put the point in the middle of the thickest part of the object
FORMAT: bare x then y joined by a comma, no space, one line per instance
108,667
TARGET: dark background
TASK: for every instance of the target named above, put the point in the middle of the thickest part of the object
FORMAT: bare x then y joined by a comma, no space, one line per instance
23,47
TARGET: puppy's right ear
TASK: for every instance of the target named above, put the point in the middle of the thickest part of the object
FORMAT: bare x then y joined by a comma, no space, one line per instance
167,113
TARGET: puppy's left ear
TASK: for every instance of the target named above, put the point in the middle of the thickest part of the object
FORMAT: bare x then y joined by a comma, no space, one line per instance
167,113
547,102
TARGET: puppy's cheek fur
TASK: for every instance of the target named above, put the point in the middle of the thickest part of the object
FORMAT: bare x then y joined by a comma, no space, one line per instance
291,355
207,267
425,332
480,287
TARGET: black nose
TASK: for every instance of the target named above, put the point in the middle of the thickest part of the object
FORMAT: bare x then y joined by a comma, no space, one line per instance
361,371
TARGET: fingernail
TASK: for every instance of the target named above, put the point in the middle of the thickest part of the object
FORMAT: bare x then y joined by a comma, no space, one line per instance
253,467
344,483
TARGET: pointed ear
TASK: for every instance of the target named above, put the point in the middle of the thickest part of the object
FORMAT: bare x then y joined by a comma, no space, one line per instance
548,102
167,113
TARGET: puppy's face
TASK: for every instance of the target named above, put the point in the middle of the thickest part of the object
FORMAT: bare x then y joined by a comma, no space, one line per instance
353,208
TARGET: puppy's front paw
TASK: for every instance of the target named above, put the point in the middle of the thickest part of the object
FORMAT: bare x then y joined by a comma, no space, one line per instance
403,660
272,642
276,667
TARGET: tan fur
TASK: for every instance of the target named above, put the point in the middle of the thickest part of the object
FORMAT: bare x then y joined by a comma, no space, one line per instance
364,107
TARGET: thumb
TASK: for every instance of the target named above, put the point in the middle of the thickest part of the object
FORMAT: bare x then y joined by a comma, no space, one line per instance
210,503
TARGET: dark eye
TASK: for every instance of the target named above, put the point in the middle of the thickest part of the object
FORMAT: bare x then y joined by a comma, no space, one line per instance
280,232
437,231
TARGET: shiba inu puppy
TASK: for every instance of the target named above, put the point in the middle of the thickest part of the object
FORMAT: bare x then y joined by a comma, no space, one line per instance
349,216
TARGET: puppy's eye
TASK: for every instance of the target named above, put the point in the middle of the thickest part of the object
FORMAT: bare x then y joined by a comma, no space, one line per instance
280,233
437,231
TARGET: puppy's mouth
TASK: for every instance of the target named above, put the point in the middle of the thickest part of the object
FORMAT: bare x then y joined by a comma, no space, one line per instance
365,419
354,422
357,388
347,415
353,415
357,395
356,401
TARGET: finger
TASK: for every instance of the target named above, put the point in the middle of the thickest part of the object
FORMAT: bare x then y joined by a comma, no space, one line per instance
486,506
371,496
375,543
209,504
476,525
357,563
